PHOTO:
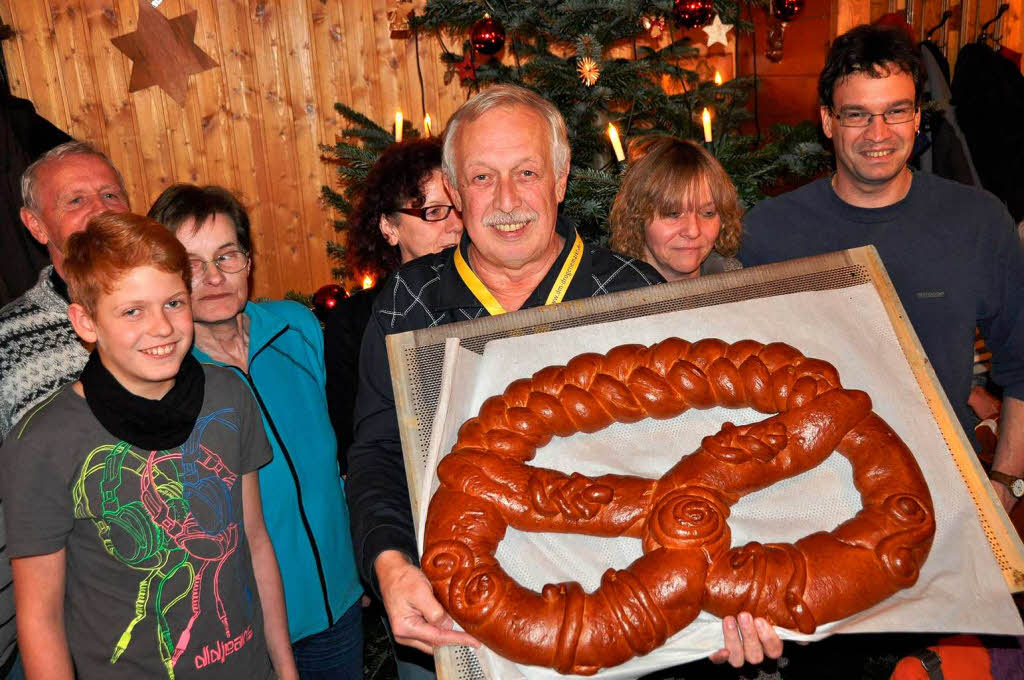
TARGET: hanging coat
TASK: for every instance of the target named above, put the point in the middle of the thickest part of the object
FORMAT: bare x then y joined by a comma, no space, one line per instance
948,154
988,92
24,135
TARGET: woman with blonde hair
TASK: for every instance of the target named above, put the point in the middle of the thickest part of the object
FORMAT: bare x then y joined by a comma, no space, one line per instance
677,209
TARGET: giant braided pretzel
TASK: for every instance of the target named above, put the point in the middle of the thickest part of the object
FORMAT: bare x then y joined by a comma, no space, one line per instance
688,564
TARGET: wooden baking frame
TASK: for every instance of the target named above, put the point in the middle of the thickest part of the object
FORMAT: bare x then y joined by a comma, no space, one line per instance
834,270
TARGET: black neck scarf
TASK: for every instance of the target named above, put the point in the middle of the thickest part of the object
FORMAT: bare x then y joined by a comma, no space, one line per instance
155,425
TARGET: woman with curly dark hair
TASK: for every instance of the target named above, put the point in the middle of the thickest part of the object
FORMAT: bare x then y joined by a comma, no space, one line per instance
402,213
677,209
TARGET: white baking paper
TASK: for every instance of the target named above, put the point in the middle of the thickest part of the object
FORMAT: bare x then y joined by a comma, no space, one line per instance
961,588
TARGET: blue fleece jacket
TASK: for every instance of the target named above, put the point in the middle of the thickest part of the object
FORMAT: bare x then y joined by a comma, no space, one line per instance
303,496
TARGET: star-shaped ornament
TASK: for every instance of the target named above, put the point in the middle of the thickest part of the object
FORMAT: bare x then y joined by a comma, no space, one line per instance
589,71
717,31
465,68
163,52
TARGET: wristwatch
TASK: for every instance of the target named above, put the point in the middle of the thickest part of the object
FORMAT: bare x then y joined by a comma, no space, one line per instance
1014,484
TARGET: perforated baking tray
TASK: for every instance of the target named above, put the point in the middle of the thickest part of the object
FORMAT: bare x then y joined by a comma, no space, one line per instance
417,361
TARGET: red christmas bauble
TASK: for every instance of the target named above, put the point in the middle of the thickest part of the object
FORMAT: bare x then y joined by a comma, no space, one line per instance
787,10
693,13
326,298
487,35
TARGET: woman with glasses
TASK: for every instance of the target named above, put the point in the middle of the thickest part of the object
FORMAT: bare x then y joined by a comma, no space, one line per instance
677,209
277,347
402,213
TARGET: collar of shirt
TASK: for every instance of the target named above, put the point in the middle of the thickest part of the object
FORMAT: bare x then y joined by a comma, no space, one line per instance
60,286
453,293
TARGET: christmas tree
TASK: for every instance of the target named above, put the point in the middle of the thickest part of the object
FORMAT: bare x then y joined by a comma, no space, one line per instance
601,62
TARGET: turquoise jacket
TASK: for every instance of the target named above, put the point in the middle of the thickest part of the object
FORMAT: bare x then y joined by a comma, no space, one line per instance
303,496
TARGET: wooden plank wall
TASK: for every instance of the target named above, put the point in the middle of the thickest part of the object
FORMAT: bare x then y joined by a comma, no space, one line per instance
788,89
253,124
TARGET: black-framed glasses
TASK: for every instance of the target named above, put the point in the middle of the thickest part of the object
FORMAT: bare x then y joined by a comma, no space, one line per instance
431,213
894,116
229,262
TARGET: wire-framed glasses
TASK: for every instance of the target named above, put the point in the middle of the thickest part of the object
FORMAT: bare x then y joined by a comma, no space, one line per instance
431,213
894,116
229,262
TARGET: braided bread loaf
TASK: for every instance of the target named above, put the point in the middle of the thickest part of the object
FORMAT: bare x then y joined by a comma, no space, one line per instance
688,563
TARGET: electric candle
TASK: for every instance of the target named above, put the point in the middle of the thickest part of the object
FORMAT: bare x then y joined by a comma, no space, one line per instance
613,135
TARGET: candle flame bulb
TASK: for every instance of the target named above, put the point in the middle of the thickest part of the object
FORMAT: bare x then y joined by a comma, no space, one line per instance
613,135
705,117
398,125
718,78
426,124
367,282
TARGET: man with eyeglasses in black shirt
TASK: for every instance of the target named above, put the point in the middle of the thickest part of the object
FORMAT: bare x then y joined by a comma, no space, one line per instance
951,250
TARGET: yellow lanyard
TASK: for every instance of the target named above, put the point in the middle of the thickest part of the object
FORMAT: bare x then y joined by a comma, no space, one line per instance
493,307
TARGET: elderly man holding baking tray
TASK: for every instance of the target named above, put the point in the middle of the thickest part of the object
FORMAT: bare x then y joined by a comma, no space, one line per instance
506,165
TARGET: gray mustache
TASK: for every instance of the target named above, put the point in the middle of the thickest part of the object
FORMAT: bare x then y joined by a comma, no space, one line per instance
514,217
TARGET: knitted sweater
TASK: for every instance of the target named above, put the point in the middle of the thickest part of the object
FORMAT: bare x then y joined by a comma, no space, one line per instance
39,352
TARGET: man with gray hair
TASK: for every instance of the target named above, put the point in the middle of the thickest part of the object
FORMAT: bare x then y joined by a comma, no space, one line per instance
39,350
506,166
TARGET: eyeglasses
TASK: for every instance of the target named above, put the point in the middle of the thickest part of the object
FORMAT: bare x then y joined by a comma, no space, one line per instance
857,119
230,262
432,213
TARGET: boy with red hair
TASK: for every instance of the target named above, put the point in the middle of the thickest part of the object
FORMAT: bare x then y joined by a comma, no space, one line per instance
132,500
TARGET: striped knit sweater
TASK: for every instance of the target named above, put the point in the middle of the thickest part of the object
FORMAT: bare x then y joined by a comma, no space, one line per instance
39,352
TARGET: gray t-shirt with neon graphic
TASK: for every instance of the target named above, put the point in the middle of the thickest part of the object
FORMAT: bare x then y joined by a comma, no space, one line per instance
159,575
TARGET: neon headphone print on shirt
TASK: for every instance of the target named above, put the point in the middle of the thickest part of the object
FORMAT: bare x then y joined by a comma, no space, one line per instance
179,515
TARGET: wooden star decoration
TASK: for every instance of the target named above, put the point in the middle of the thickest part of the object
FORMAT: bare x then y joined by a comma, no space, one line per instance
163,52
717,32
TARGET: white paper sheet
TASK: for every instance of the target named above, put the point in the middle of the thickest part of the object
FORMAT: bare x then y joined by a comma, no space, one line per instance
960,588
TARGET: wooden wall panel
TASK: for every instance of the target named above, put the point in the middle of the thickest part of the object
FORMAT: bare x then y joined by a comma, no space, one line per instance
118,135
79,84
849,13
254,124
40,62
308,246
788,89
